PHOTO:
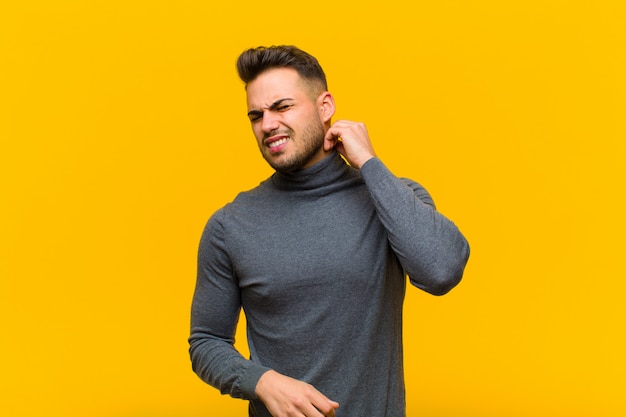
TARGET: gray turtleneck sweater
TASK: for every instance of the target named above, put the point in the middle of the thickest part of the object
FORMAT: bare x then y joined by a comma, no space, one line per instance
317,259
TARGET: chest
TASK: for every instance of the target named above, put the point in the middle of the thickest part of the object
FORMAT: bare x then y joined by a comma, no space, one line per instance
308,246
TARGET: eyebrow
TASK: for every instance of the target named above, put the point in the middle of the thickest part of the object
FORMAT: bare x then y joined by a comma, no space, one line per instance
272,106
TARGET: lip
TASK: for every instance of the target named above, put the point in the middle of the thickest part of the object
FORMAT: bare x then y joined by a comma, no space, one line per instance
270,142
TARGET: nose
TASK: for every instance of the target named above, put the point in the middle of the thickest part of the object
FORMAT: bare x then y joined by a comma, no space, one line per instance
270,122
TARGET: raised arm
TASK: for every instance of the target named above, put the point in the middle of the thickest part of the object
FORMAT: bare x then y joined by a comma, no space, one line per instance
430,247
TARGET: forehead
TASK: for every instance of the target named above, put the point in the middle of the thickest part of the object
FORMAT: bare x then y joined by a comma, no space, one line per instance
275,84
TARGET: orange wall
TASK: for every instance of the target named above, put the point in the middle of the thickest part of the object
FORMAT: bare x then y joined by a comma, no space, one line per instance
123,127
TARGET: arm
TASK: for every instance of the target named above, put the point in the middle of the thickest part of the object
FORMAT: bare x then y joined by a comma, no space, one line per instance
430,247
214,314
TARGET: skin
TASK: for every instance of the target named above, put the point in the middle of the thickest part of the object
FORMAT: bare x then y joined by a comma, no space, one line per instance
291,120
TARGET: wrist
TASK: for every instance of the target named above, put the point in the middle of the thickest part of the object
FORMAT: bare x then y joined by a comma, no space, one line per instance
262,383
364,161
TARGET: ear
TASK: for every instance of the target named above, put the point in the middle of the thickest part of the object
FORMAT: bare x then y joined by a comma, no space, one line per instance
326,106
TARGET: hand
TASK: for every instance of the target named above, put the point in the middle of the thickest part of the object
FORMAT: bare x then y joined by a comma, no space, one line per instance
287,397
351,140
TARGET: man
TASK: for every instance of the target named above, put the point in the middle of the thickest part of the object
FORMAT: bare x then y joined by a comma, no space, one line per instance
317,256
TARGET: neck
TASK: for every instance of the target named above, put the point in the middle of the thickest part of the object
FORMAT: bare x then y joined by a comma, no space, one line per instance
322,173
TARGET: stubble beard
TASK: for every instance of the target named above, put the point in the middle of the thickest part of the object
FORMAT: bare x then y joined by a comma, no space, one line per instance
312,140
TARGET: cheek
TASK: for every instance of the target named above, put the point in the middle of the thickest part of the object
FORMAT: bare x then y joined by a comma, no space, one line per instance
258,134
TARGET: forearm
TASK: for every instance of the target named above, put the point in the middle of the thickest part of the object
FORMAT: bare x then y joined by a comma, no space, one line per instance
219,364
430,247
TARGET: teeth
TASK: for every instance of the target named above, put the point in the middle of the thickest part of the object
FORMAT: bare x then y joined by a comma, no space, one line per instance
277,143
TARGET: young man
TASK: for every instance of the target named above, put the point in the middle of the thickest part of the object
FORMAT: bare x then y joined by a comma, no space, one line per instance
317,256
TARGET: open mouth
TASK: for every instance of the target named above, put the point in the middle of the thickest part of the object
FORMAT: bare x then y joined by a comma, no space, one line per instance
277,143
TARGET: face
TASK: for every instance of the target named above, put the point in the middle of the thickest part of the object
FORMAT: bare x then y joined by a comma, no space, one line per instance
288,120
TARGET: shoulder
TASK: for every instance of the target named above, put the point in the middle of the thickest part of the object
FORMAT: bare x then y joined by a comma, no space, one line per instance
244,199
243,205
378,176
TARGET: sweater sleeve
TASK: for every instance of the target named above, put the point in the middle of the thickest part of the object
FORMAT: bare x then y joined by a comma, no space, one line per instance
214,315
431,249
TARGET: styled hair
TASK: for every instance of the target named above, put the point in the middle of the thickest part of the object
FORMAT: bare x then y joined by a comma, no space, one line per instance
252,62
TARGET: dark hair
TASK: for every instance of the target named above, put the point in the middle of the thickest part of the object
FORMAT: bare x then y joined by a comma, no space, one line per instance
252,62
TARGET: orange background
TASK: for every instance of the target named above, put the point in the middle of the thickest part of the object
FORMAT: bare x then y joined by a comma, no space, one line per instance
123,127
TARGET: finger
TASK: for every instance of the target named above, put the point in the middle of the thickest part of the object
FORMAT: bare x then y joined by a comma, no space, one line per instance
331,412
340,148
331,140
325,406
321,403
317,412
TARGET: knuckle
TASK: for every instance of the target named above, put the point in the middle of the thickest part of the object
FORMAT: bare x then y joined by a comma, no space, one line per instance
297,403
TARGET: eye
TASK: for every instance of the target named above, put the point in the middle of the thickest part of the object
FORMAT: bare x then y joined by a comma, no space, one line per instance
254,117
283,107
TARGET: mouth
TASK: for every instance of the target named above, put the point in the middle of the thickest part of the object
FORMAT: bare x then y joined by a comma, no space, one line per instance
276,143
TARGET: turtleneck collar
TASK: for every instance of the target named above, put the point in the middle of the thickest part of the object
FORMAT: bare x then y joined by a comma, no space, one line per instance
328,171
